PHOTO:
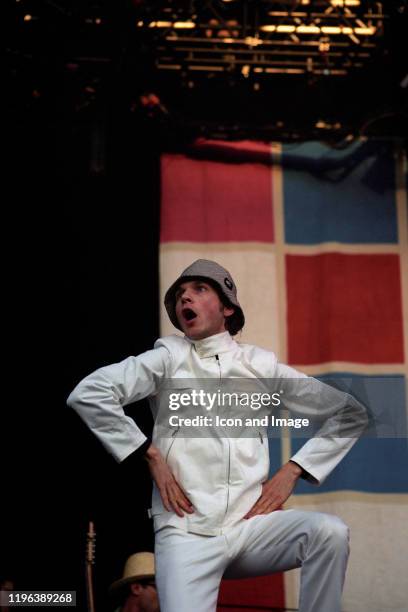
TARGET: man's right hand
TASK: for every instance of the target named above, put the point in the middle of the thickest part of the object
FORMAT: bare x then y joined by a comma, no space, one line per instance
173,496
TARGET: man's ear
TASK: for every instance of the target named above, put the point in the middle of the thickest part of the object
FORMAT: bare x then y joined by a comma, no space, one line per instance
135,588
228,311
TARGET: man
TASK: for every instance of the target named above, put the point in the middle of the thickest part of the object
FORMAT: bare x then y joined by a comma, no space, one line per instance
6,587
215,511
136,590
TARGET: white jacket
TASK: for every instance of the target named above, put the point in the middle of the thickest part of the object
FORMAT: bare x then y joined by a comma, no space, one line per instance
222,476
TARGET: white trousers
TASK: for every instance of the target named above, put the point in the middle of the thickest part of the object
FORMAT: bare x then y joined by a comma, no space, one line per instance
189,567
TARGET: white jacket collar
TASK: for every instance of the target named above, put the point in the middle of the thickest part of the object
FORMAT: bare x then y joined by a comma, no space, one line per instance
208,347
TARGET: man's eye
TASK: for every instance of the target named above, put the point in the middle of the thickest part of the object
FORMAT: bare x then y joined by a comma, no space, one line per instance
201,288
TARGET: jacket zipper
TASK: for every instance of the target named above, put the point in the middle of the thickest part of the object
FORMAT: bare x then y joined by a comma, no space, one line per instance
173,435
219,365
229,449
228,477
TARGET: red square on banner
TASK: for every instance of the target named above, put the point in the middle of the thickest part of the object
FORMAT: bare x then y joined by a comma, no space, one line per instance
344,308
252,594
208,201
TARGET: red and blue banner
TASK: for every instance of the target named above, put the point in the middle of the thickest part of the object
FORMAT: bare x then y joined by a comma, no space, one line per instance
316,238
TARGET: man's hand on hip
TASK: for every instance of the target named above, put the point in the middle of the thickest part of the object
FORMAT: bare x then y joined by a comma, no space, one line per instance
276,490
173,496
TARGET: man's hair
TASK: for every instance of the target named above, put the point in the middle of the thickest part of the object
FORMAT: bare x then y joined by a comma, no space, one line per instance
233,323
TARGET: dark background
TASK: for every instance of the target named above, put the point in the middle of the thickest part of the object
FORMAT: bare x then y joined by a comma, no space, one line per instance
81,192
83,267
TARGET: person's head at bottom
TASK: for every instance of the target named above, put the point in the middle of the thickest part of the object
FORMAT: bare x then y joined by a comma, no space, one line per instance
136,590
203,301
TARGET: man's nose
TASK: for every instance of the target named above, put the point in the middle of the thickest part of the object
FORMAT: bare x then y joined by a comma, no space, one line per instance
186,297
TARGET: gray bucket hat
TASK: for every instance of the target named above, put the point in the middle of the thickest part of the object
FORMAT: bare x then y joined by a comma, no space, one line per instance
223,283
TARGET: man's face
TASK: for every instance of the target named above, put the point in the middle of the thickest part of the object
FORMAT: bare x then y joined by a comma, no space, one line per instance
199,310
146,596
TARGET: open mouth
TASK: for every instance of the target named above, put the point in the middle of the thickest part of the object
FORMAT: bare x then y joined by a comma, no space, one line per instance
188,314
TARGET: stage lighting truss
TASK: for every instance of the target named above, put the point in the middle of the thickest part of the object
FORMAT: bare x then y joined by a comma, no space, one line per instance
261,38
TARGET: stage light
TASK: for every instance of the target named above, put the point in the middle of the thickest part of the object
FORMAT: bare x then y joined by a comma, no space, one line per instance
160,24
286,14
365,31
285,28
184,25
331,30
284,70
252,41
345,2
324,46
314,29
308,29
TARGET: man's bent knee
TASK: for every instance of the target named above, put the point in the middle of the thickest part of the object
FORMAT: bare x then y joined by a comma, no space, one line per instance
331,531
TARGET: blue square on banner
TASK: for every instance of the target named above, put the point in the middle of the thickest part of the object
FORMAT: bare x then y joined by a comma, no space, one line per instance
345,195
377,462
372,466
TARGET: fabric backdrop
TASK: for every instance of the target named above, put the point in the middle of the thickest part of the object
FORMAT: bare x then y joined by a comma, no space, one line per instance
316,240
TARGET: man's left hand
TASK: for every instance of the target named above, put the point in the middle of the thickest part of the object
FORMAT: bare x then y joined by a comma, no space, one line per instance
276,490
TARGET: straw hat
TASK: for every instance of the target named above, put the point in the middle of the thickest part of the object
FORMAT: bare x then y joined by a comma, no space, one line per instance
139,566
